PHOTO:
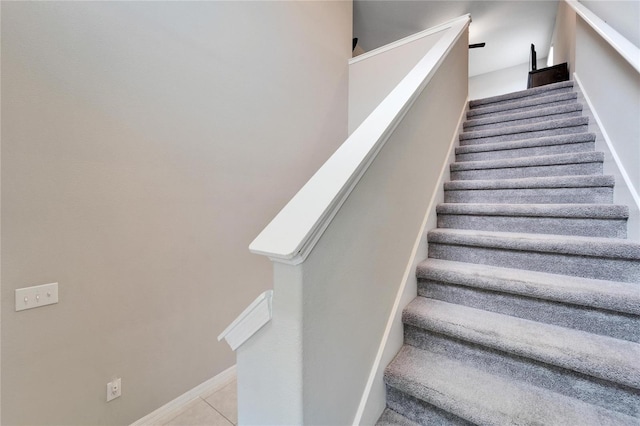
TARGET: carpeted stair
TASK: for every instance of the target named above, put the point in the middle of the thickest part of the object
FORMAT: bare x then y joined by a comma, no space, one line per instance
528,307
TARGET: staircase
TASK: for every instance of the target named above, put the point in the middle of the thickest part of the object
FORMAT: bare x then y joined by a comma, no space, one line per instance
528,307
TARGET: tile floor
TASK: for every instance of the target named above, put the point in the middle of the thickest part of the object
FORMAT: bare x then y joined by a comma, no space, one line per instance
215,408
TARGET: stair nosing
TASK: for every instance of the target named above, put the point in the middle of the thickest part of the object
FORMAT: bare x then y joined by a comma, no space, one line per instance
527,143
530,161
578,181
563,211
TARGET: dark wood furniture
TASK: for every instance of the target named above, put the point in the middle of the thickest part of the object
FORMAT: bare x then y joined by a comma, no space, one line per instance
548,75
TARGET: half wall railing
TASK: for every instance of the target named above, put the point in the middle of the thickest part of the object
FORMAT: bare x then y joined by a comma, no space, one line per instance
343,247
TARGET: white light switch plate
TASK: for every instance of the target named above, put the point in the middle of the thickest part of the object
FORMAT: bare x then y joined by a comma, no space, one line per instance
36,296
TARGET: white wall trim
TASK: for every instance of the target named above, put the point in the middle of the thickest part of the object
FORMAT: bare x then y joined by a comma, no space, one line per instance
252,319
395,314
293,233
614,155
403,41
161,414
624,47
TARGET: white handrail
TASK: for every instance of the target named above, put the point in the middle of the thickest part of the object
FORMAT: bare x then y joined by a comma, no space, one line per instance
408,39
624,47
293,233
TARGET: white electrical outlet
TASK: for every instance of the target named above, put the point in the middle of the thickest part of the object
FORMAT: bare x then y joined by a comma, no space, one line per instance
114,389
36,296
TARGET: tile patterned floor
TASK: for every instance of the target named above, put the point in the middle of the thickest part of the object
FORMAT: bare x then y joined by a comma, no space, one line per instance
216,408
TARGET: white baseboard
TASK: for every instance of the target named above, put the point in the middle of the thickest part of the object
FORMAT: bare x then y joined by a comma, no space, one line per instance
175,405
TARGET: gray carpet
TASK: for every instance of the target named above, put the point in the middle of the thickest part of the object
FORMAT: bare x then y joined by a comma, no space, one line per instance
528,306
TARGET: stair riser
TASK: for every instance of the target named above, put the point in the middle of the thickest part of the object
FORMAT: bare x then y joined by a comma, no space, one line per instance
622,270
513,101
520,122
392,418
500,111
525,135
607,323
420,411
576,385
532,196
527,152
605,228
576,169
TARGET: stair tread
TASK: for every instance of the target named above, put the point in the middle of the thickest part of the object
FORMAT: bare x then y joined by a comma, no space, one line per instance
528,143
565,244
520,94
521,103
585,181
540,112
601,294
525,128
587,211
483,398
539,160
595,355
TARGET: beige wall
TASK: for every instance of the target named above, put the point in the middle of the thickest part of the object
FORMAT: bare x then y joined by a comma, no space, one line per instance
144,145
502,81
623,16
373,76
564,37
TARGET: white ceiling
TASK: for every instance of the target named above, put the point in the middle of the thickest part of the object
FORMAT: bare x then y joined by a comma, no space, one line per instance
508,27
